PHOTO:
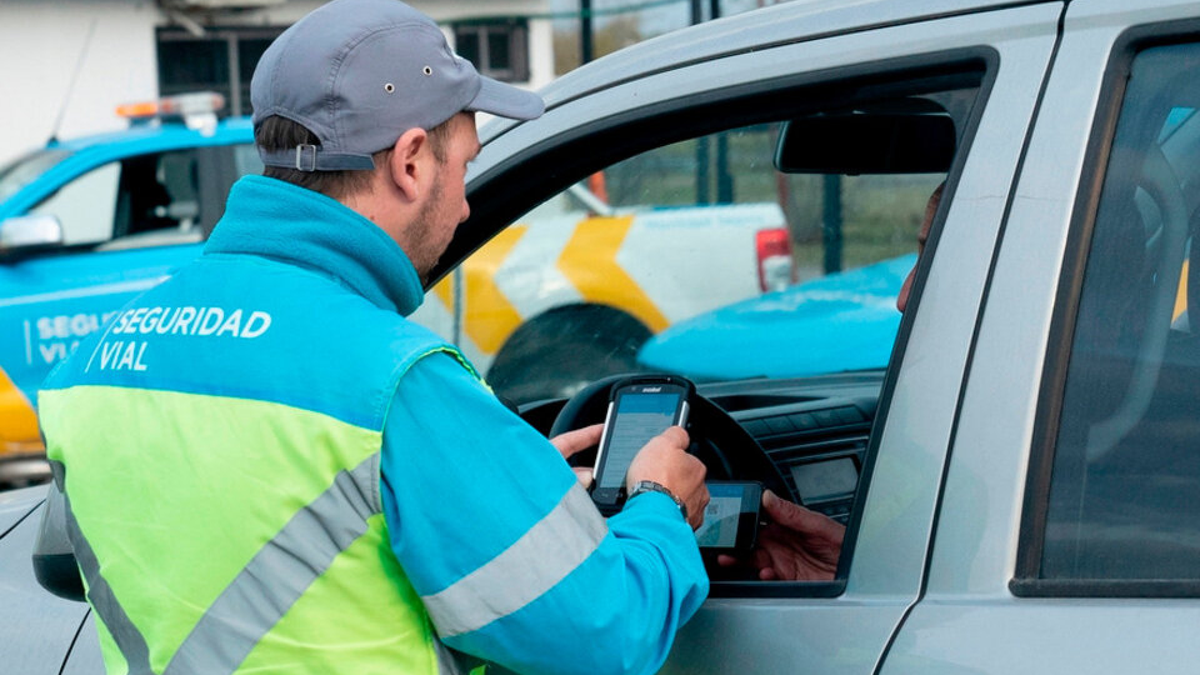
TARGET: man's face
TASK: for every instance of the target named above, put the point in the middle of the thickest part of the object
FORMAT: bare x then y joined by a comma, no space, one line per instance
931,208
446,204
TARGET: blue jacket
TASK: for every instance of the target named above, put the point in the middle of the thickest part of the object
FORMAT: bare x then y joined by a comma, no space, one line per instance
480,510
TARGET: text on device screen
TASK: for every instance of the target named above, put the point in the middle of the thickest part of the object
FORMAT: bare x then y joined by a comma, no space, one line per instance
639,417
720,527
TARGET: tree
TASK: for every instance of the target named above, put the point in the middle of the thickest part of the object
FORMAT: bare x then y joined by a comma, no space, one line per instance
615,34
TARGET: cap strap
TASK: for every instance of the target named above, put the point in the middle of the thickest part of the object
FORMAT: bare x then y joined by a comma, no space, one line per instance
308,158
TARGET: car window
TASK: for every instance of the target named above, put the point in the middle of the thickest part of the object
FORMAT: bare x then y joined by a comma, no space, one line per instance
25,170
1126,467
85,207
738,256
699,258
134,201
246,160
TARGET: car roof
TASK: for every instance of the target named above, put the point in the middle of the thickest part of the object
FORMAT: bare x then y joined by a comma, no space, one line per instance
785,23
168,133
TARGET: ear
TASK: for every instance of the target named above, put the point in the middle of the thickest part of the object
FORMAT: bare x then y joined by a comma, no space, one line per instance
408,163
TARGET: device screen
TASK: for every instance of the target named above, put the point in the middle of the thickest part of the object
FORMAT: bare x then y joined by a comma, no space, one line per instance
731,518
638,418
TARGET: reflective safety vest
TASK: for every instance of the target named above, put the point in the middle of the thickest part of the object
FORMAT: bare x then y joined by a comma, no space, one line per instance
219,448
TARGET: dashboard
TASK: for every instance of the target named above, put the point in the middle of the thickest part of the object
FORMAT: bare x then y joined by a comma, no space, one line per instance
814,430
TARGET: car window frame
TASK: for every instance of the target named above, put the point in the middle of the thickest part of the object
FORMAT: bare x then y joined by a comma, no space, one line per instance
498,200
1026,581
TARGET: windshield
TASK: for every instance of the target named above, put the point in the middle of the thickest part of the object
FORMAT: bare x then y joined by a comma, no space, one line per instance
25,170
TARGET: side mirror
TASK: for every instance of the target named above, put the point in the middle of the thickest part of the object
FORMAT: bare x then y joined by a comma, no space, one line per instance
54,563
26,234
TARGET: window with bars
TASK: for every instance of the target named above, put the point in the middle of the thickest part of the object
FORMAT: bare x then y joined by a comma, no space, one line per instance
498,49
223,61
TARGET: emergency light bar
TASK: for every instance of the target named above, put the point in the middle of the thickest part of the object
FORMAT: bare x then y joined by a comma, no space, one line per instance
198,110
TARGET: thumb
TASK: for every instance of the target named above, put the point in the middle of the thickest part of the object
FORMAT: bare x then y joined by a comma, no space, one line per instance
784,512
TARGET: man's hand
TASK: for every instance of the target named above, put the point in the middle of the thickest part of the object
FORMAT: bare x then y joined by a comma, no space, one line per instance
796,544
665,461
575,441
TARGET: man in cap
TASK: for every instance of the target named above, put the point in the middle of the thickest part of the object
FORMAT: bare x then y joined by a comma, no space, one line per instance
266,468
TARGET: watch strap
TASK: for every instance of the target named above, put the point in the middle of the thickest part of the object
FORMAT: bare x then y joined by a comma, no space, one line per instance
644,486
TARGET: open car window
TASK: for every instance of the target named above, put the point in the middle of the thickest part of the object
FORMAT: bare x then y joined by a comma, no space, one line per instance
758,249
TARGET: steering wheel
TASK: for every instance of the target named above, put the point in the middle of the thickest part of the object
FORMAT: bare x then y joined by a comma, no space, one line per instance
727,450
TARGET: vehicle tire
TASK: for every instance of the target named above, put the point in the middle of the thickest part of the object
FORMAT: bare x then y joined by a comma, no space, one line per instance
560,352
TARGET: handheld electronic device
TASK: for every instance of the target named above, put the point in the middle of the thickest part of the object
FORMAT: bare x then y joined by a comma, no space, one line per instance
731,519
639,409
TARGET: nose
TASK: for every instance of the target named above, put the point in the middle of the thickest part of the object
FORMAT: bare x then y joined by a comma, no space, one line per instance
466,211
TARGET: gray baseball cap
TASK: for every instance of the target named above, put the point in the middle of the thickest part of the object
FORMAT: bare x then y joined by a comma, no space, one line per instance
360,73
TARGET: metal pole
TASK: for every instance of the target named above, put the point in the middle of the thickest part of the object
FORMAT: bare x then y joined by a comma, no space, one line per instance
724,178
702,192
833,223
586,53
702,171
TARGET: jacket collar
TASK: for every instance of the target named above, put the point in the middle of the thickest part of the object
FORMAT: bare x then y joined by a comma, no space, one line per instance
277,220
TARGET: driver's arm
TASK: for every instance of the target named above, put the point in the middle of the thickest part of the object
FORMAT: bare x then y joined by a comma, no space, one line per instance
506,550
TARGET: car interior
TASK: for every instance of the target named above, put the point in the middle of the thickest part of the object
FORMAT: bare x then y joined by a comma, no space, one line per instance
809,438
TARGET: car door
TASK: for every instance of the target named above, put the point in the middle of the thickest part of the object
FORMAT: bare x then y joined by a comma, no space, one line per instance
842,626
41,628
1066,538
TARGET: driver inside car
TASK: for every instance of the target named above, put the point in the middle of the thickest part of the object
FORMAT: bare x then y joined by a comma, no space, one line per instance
798,544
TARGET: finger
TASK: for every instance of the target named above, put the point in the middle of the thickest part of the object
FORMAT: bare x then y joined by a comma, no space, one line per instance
583,474
697,513
727,560
580,439
674,436
791,516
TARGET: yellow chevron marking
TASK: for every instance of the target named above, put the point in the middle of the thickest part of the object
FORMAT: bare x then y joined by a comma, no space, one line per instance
18,422
444,290
589,261
1181,299
489,318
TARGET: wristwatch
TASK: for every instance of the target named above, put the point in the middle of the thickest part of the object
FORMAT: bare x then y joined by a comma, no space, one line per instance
643,486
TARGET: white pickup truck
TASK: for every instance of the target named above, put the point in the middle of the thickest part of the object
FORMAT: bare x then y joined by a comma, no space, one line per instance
578,283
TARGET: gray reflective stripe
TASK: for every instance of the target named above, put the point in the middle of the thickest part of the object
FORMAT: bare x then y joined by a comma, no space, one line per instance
128,638
541,558
280,573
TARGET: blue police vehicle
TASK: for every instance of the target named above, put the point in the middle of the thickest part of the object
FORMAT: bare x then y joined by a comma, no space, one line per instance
845,321
86,224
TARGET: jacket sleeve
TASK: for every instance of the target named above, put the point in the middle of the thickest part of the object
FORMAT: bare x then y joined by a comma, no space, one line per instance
512,560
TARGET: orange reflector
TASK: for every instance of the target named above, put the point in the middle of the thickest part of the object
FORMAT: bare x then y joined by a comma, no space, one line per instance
144,109
197,103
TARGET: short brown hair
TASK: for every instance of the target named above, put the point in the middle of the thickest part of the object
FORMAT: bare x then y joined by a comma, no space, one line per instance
280,133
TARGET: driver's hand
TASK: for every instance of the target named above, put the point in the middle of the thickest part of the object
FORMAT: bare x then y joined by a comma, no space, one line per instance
796,544
665,461
576,441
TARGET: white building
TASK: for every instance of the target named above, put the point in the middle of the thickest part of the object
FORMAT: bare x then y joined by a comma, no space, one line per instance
67,64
